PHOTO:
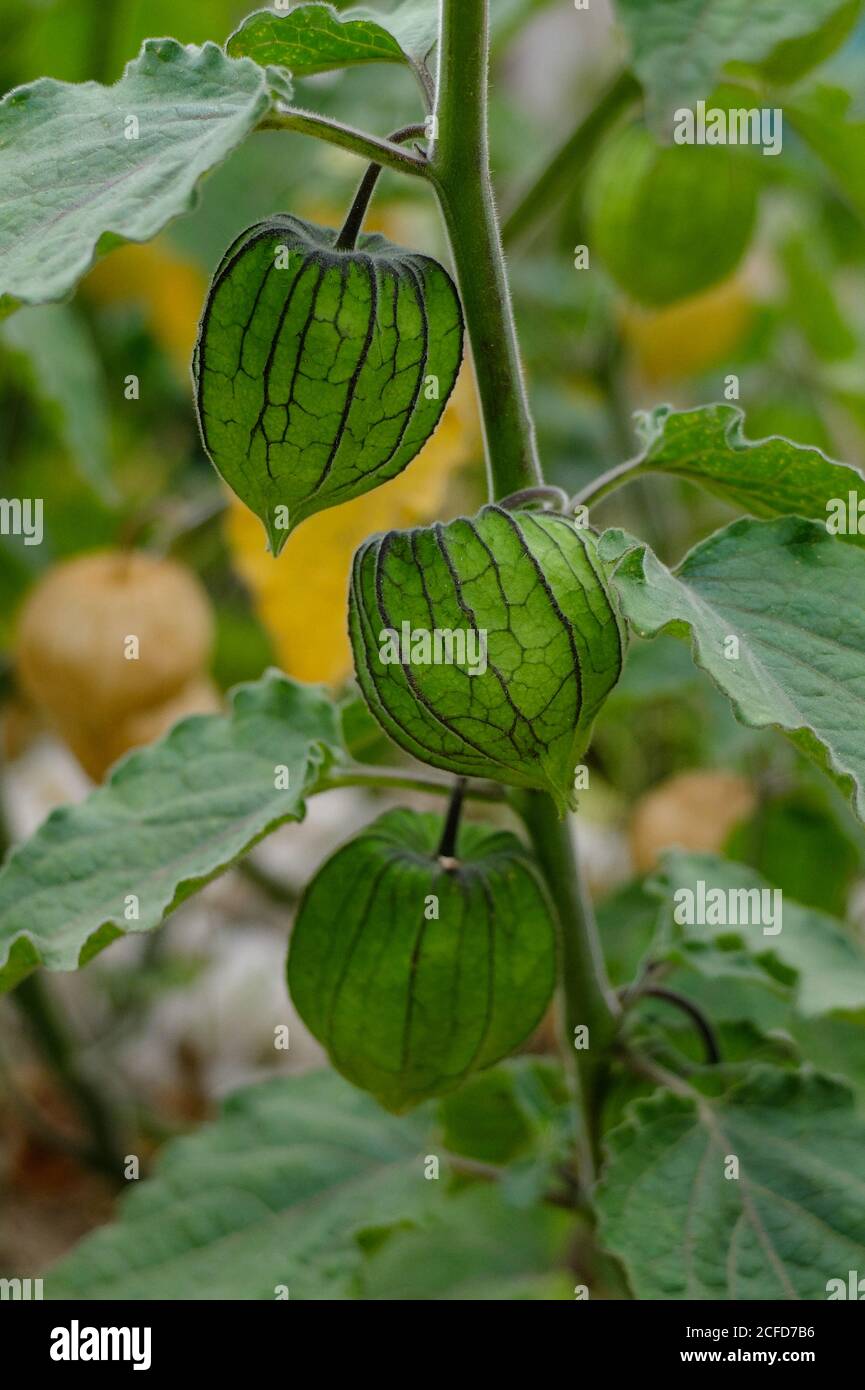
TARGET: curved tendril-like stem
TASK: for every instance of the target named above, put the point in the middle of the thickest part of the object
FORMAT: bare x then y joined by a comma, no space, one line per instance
686,1006
357,212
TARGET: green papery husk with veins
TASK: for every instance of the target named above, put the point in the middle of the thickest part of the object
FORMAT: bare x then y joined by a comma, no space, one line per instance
553,642
410,998
321,372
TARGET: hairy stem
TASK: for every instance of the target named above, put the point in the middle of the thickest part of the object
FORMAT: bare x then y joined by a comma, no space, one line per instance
437,784
48,1032
355,141
590,1001
459,168
460,172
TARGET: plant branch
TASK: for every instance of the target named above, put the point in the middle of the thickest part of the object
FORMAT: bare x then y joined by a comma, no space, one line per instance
557,178
460,173
590,1001
607,482
357,212
459,168
47,1029
394,777
357,142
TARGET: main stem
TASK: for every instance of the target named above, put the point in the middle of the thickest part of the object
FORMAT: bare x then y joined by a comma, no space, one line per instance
591,1006
460,172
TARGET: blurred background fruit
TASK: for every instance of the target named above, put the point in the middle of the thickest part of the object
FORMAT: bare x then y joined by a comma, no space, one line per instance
111,646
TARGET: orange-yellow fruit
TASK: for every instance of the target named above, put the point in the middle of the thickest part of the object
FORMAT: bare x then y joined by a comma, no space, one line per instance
690,336
692,811
169,289
110,635
97,754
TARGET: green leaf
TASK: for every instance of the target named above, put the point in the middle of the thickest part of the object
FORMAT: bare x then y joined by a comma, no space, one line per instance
65,372
812,954
529,644
502,1115
320,371
280,1190
793,598
415,970
316,38
75,181
171,817
767,477
681,49
479,1249
821,116
812,303
668,222
835,1043
792,1220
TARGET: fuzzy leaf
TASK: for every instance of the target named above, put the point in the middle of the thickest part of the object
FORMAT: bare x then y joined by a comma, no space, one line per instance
767,477
279,1190
317,38
793,1219
793,597
171,817
823,962
74,181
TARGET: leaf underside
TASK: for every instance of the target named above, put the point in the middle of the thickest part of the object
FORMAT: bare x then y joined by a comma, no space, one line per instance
170,818
78,175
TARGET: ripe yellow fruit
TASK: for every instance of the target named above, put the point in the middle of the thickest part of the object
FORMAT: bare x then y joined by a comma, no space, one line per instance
97,755
110,636
690,336
169,289
692,811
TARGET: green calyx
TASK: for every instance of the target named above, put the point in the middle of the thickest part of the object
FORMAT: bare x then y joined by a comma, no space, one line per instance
487,646
415,970
320,372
